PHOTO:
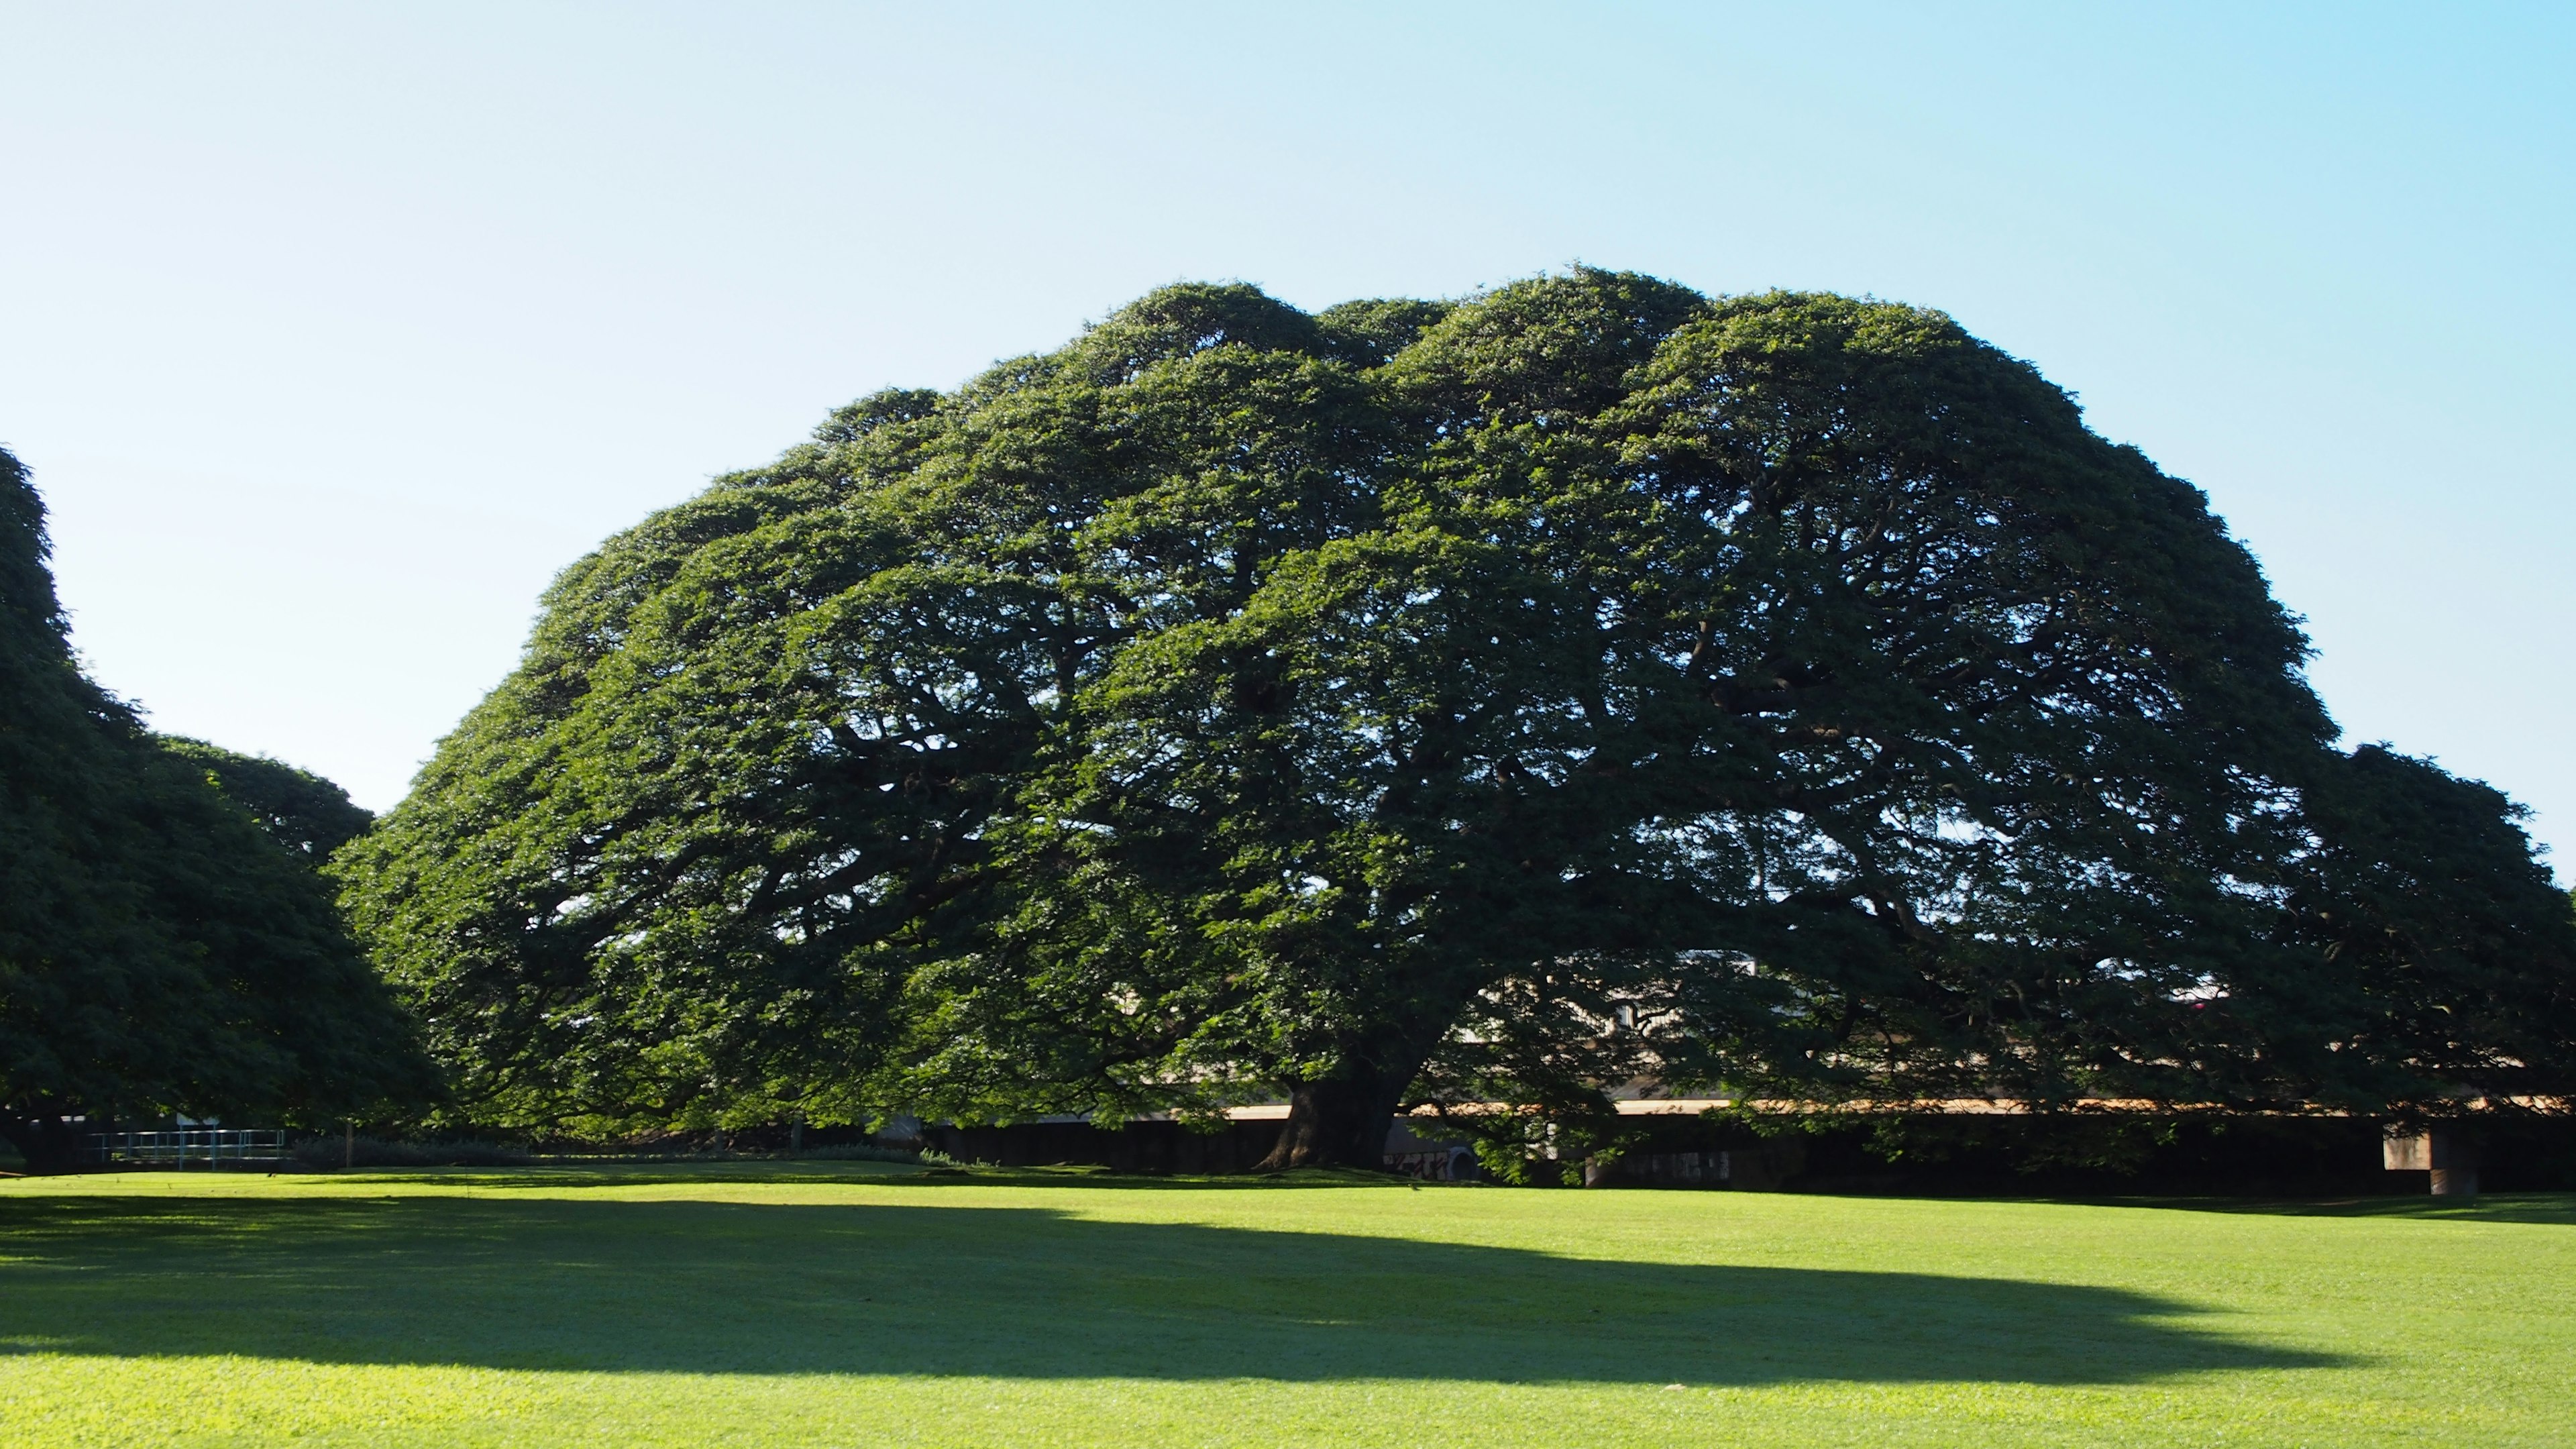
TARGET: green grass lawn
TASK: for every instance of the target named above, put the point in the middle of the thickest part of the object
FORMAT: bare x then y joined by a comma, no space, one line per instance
850,1304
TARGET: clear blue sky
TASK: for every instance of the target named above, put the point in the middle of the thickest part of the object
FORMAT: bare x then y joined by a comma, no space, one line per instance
332,333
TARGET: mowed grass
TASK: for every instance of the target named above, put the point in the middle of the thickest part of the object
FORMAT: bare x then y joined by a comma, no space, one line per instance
853,1304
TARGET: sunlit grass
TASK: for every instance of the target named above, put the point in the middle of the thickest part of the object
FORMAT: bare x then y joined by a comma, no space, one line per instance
851,1303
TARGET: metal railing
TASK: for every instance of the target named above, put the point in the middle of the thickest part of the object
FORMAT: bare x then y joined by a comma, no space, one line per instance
213,1146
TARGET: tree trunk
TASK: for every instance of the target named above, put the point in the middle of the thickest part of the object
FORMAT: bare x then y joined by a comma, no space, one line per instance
1338,1122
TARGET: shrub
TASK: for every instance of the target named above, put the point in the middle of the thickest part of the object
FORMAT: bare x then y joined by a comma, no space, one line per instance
327,1152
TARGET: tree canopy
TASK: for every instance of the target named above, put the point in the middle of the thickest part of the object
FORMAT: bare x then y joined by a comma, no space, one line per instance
1485,702
308,815
158,951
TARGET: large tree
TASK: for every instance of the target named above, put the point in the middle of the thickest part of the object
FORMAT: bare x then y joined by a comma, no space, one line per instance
1493,701
159,950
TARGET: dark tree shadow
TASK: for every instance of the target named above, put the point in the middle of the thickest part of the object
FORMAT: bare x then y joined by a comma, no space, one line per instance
767,1288
883,1174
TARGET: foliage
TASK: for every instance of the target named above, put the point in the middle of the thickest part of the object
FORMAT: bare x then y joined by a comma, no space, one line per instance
871,1152
2117,1142
2448,954
331,1152
1498,702
300,810
158,953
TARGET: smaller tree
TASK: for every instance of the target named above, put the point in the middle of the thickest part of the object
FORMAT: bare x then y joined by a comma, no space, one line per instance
307,814
165,942
2442,956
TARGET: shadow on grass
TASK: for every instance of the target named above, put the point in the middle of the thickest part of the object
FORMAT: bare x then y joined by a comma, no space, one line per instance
548,1176
2524,1207
704,1287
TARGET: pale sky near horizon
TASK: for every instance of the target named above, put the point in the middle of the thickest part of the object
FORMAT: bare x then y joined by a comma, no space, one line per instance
332,333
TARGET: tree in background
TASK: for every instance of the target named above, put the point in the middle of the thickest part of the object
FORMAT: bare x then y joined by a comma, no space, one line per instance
158,952
1481,703
308,815
2446,952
